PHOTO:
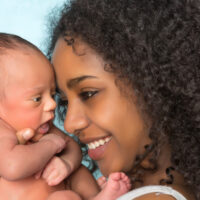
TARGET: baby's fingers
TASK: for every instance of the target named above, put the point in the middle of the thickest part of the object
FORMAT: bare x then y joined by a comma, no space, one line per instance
25,135
54,178
47,171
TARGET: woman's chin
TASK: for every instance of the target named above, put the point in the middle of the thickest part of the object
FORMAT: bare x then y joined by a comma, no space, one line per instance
105,170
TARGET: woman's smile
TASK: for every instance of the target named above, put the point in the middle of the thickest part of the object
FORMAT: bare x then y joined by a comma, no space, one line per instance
100,142
97,148
114,136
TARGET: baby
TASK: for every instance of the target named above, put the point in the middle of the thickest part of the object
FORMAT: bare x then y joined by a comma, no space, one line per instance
26,100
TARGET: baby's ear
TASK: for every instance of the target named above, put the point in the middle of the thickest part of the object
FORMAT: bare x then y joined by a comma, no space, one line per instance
25,135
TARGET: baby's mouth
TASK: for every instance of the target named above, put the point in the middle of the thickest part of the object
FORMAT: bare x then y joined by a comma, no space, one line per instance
44,128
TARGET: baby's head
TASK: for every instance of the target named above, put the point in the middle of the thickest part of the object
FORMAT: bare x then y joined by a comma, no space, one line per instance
26,85
9,45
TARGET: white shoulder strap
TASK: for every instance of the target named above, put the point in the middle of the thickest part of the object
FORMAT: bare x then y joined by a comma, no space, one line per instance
152,189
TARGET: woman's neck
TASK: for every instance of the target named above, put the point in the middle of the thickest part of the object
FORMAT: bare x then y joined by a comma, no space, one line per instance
164,162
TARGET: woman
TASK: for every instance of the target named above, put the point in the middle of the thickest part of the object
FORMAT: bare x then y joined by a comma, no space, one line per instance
128,71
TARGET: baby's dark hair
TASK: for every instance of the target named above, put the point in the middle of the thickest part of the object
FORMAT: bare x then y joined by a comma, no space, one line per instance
11,41
155,46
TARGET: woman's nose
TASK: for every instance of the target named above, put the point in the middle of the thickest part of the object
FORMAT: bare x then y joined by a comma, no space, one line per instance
76,120
50,104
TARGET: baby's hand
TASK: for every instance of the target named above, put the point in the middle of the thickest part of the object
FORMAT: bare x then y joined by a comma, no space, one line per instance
55,171
25,135
57,140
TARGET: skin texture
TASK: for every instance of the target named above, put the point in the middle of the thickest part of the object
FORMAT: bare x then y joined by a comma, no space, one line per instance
28,102
82,182
98,116
21,107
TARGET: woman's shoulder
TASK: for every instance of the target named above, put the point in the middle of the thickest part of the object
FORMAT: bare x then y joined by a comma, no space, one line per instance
154,192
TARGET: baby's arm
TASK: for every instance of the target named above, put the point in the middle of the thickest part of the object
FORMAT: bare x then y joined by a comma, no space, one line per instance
71,155
20,161
61,167
83,183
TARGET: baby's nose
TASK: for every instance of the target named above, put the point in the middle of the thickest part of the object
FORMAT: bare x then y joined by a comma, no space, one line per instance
50,105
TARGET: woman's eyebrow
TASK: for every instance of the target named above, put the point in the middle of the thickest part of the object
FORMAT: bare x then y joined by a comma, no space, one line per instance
73,82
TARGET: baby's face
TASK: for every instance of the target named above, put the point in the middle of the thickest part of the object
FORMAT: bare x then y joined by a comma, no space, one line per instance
29,89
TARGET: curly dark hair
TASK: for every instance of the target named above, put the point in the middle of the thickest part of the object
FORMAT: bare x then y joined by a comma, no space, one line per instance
155,46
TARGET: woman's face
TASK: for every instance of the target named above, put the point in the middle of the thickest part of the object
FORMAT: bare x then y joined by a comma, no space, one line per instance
102,117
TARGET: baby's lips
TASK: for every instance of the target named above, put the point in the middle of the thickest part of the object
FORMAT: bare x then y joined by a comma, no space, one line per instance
44,128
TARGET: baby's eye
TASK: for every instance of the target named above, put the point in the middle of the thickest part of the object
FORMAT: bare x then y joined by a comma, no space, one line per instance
37,99
87,94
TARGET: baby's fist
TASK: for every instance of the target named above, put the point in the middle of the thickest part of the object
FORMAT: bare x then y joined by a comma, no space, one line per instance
59,142
56,171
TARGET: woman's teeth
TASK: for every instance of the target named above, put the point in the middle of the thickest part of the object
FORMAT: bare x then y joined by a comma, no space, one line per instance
95,144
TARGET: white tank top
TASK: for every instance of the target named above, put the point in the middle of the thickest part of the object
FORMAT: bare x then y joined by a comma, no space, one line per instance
158,189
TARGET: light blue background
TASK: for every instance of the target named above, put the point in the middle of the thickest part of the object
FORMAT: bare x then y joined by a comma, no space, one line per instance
27,18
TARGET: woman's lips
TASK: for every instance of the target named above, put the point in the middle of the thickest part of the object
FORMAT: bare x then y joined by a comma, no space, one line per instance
97,148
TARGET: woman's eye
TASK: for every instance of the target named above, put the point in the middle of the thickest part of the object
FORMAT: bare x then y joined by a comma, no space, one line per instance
87,94
36,99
